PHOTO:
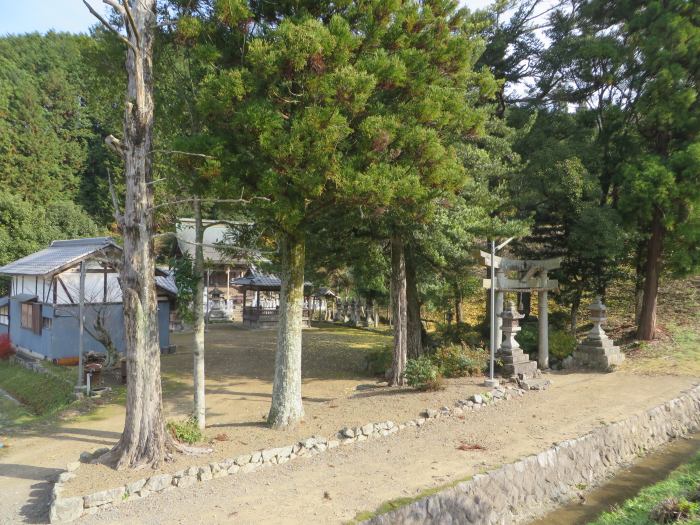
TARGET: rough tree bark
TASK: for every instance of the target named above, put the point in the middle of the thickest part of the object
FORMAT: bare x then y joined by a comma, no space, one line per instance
143,441
646,328
458,303
287,408
414,329
198,307
640,271
399,311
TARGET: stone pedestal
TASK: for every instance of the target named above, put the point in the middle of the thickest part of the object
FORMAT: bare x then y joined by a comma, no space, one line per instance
597,351
515,361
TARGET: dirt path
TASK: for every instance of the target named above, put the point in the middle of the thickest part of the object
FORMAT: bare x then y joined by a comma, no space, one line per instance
335,486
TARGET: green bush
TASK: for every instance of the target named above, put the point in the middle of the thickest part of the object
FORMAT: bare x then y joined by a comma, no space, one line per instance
460,360
527,338
457,334
423,374
379,360
561,344
186,431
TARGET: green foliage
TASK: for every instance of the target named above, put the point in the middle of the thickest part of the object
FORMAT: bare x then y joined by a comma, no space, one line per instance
379,360
186,431
42,393
561,343
458,334
460,360
660,503
52,118
27,227
527,337
186,281
423,374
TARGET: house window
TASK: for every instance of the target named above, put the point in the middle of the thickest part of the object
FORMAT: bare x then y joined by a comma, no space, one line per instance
31,317
5,314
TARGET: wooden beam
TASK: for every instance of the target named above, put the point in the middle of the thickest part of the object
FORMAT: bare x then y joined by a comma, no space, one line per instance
65,290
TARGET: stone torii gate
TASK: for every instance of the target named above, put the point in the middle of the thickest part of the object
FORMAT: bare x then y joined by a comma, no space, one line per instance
530,276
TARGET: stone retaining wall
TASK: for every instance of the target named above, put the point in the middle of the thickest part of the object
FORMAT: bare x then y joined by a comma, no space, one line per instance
64,509
521,491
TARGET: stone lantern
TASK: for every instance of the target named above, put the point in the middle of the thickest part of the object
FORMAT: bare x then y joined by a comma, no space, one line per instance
515,361
597,351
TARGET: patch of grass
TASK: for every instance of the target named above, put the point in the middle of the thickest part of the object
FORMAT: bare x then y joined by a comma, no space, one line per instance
186,431
12,413
677,354
41,394
394,504
680,486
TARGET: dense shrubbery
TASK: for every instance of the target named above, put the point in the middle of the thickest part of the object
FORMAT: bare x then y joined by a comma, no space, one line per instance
458,334
423,374
460,360
561,344
426,372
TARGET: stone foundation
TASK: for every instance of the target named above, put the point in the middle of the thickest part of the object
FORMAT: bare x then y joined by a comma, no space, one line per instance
522,491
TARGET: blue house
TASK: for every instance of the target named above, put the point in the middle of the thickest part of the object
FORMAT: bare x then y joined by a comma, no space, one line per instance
41,313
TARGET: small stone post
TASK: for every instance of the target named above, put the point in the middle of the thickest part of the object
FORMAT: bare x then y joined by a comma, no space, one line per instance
543,329
597,350
515,361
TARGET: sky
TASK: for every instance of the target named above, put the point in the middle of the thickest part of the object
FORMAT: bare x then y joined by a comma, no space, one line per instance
27,16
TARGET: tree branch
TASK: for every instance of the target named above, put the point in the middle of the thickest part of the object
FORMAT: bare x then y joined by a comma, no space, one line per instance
177,152
227,201
131,21
110,27
115,202
115,145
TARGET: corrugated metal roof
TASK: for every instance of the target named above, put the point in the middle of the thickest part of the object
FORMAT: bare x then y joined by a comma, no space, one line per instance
167,283
58,255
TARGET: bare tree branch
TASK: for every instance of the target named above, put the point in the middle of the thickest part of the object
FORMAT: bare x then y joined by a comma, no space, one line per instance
131,21
227,201
110,26
115,145
115,202
177,152
116,5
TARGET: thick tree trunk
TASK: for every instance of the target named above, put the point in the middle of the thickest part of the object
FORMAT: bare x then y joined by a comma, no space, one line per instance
198,307
287,408
399,310
575,303
458,303
646,328
414,328
527,305
639,281
144,438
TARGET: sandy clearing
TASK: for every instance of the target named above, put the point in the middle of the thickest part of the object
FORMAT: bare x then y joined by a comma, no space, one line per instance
361,477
